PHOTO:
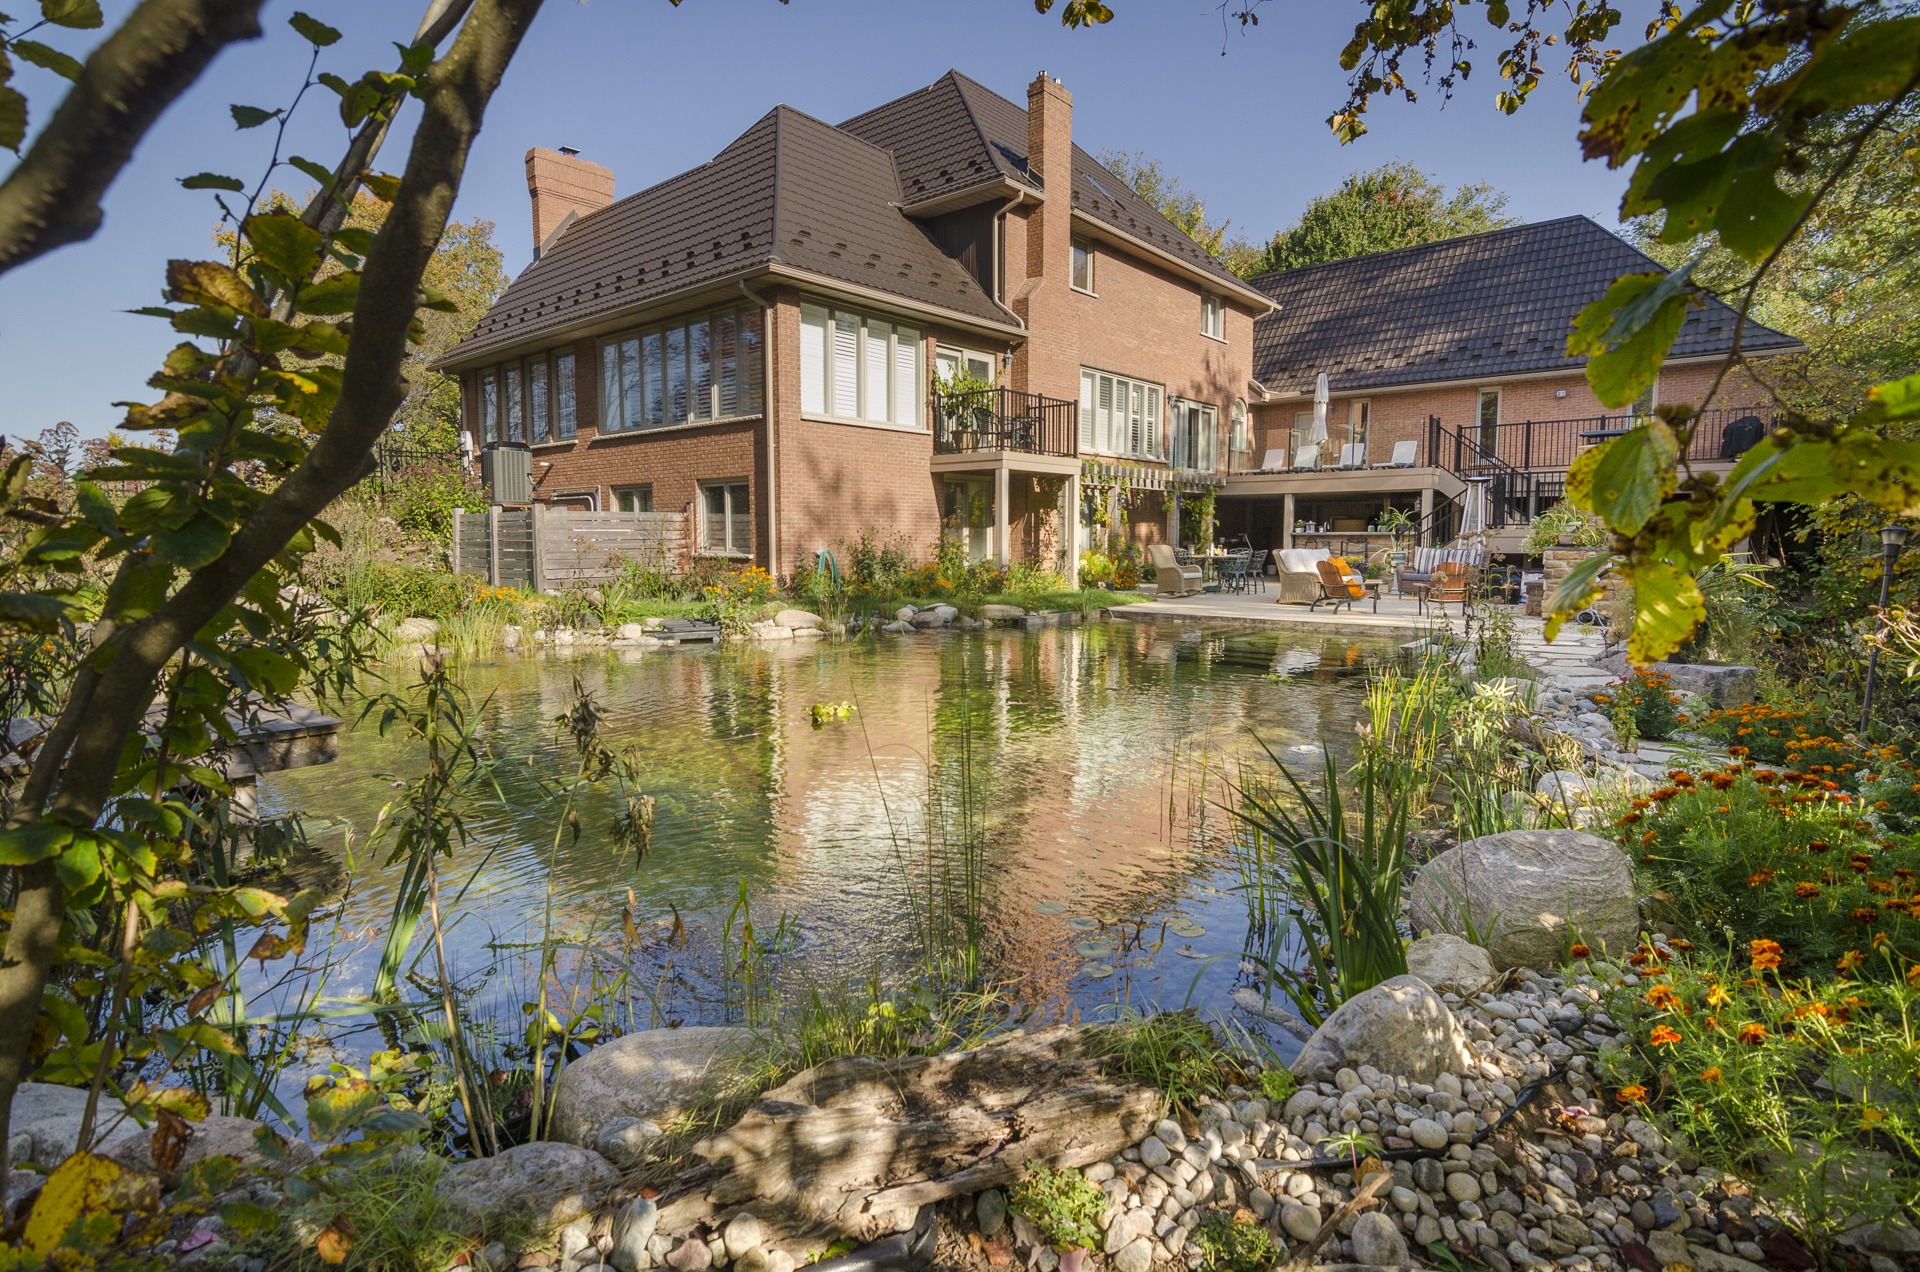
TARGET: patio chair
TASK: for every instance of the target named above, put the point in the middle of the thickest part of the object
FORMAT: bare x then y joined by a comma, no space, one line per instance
1257,572
1337,587
1307,456
1353,455
1453,584
1274,461
1404,454
1236,572
1299,582
1170,576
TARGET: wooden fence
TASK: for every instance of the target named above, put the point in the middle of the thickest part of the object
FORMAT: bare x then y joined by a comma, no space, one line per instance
545,547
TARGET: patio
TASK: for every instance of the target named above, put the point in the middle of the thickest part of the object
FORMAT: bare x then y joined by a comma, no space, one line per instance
1397,614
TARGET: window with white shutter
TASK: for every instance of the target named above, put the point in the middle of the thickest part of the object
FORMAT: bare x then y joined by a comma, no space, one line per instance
853,367
813,359
1119,416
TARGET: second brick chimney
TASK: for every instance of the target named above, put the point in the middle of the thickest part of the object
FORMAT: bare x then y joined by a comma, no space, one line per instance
561,182
1049,361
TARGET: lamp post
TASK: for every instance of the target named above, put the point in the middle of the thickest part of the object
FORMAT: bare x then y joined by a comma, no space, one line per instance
1892,539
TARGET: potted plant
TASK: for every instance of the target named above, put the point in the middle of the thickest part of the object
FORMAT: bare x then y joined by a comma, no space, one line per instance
963,399
1396,522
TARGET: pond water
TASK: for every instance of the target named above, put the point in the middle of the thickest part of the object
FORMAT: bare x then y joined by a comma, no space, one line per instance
1083,764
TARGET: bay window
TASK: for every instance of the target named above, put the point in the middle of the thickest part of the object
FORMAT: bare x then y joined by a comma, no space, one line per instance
861,368
529,401
1120,416
690,371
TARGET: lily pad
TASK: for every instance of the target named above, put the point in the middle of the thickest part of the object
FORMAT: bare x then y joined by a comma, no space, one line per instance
1187,951
1097,971
1186,929
1096,949
1050,907
1082,923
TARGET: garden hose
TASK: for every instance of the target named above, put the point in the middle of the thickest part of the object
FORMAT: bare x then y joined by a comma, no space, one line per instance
1527,1093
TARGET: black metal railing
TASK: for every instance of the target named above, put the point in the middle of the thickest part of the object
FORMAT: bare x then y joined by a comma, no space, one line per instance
1723,433
394,456
1004,420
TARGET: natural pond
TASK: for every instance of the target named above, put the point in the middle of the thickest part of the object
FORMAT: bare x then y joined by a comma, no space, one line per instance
1071,779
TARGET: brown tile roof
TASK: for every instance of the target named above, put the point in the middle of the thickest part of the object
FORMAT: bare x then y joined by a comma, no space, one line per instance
790,191
1478,307
956,133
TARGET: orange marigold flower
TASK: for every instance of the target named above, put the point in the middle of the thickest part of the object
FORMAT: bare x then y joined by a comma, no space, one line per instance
1913,974
1711,1075
1848,961
1717,995
1663,998
1664,794
1627,819
1818,845
1764,954
1680,943
1635,1094
1753,1034
1577,950
1806,890
1738,752
1664,1036
1761,877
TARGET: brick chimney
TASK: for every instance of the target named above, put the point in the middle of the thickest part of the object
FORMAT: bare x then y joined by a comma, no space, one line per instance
559,182
1048,362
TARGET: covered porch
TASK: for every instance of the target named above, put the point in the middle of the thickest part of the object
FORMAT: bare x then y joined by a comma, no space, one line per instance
1340,510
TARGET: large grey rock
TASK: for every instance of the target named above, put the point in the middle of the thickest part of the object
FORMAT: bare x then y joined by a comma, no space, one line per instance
1400,1026
1377,1242
1450,964
1529,894
652,1075
49,1116
1722,686
413,630
998,613
545,1184
796,619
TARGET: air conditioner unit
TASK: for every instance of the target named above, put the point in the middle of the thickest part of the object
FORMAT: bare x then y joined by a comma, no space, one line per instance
507,470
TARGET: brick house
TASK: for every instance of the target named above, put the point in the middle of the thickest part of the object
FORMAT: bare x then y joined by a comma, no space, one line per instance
763,341
1451,358
943,317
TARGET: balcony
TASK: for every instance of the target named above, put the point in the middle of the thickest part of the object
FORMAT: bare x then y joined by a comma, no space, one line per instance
1004,421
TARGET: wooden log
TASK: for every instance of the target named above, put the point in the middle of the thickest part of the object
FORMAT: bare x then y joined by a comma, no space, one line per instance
844,1145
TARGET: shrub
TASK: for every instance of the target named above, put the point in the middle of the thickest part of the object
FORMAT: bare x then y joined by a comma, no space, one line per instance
733,598
1236,1243
423,496
1096,569
1757,853
1062,1207
400,591
1656,707
1767,733
1563,518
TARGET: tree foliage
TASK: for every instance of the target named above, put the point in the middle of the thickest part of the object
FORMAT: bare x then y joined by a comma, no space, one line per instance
1170,196
1394,205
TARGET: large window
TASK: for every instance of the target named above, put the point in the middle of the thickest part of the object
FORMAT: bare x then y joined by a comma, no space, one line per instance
633,498
529,401
704,368
1359,417
1240,437
1119,416
1213,317
855,367
1196,440
1489,413
725,521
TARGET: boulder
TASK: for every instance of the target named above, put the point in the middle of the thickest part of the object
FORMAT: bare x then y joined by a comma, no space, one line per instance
1721,686
998,613
898,627
413,631
49,1116
769,631
1377,1242
1400,1026
799,619
1529,894
652,1075
545,1184
1449,964
632,631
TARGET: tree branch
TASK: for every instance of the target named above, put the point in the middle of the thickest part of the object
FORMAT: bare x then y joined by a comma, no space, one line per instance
52,197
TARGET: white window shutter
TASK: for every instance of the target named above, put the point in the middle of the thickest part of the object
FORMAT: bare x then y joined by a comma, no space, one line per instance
813,360
846,365
907,379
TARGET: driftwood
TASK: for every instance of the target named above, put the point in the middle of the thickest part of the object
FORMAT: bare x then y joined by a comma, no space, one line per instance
850,1146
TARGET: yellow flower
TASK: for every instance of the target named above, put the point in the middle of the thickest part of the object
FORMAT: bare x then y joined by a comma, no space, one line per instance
1871,1118
1635,1094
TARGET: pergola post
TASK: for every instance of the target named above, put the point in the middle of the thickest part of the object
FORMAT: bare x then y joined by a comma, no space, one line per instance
1001,555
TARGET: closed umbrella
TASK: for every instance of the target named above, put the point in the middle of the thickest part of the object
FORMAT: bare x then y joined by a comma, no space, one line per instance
1318,433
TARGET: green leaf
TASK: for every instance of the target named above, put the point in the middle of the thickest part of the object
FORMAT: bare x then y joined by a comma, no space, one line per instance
1898,400
1628,477
251,116
1627,333
35,841
1867,65
1668,606
52,59
334,1110
284,242
78,15
211,283
198,1035
200,540
36,611
78,864
314,31
13,117
334,294
214,181
1758,215
394,1122
318,172
381,185
249,1217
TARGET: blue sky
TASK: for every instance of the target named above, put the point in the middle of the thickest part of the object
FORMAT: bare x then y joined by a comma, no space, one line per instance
651,90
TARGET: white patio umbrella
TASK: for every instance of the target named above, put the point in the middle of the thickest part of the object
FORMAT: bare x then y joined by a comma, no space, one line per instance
1318,433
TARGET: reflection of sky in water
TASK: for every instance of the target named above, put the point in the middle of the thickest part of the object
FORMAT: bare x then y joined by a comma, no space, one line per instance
1088,759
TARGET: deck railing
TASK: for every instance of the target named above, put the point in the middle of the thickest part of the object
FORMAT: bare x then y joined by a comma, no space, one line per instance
1000,419
1723,433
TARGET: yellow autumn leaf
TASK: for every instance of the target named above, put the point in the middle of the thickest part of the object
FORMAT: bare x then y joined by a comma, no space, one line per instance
83,1204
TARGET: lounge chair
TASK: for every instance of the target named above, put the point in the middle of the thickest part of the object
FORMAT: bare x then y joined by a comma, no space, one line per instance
1307,456
1274,461
1299,581
1404,454
1353,455
1337,587
1169,576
